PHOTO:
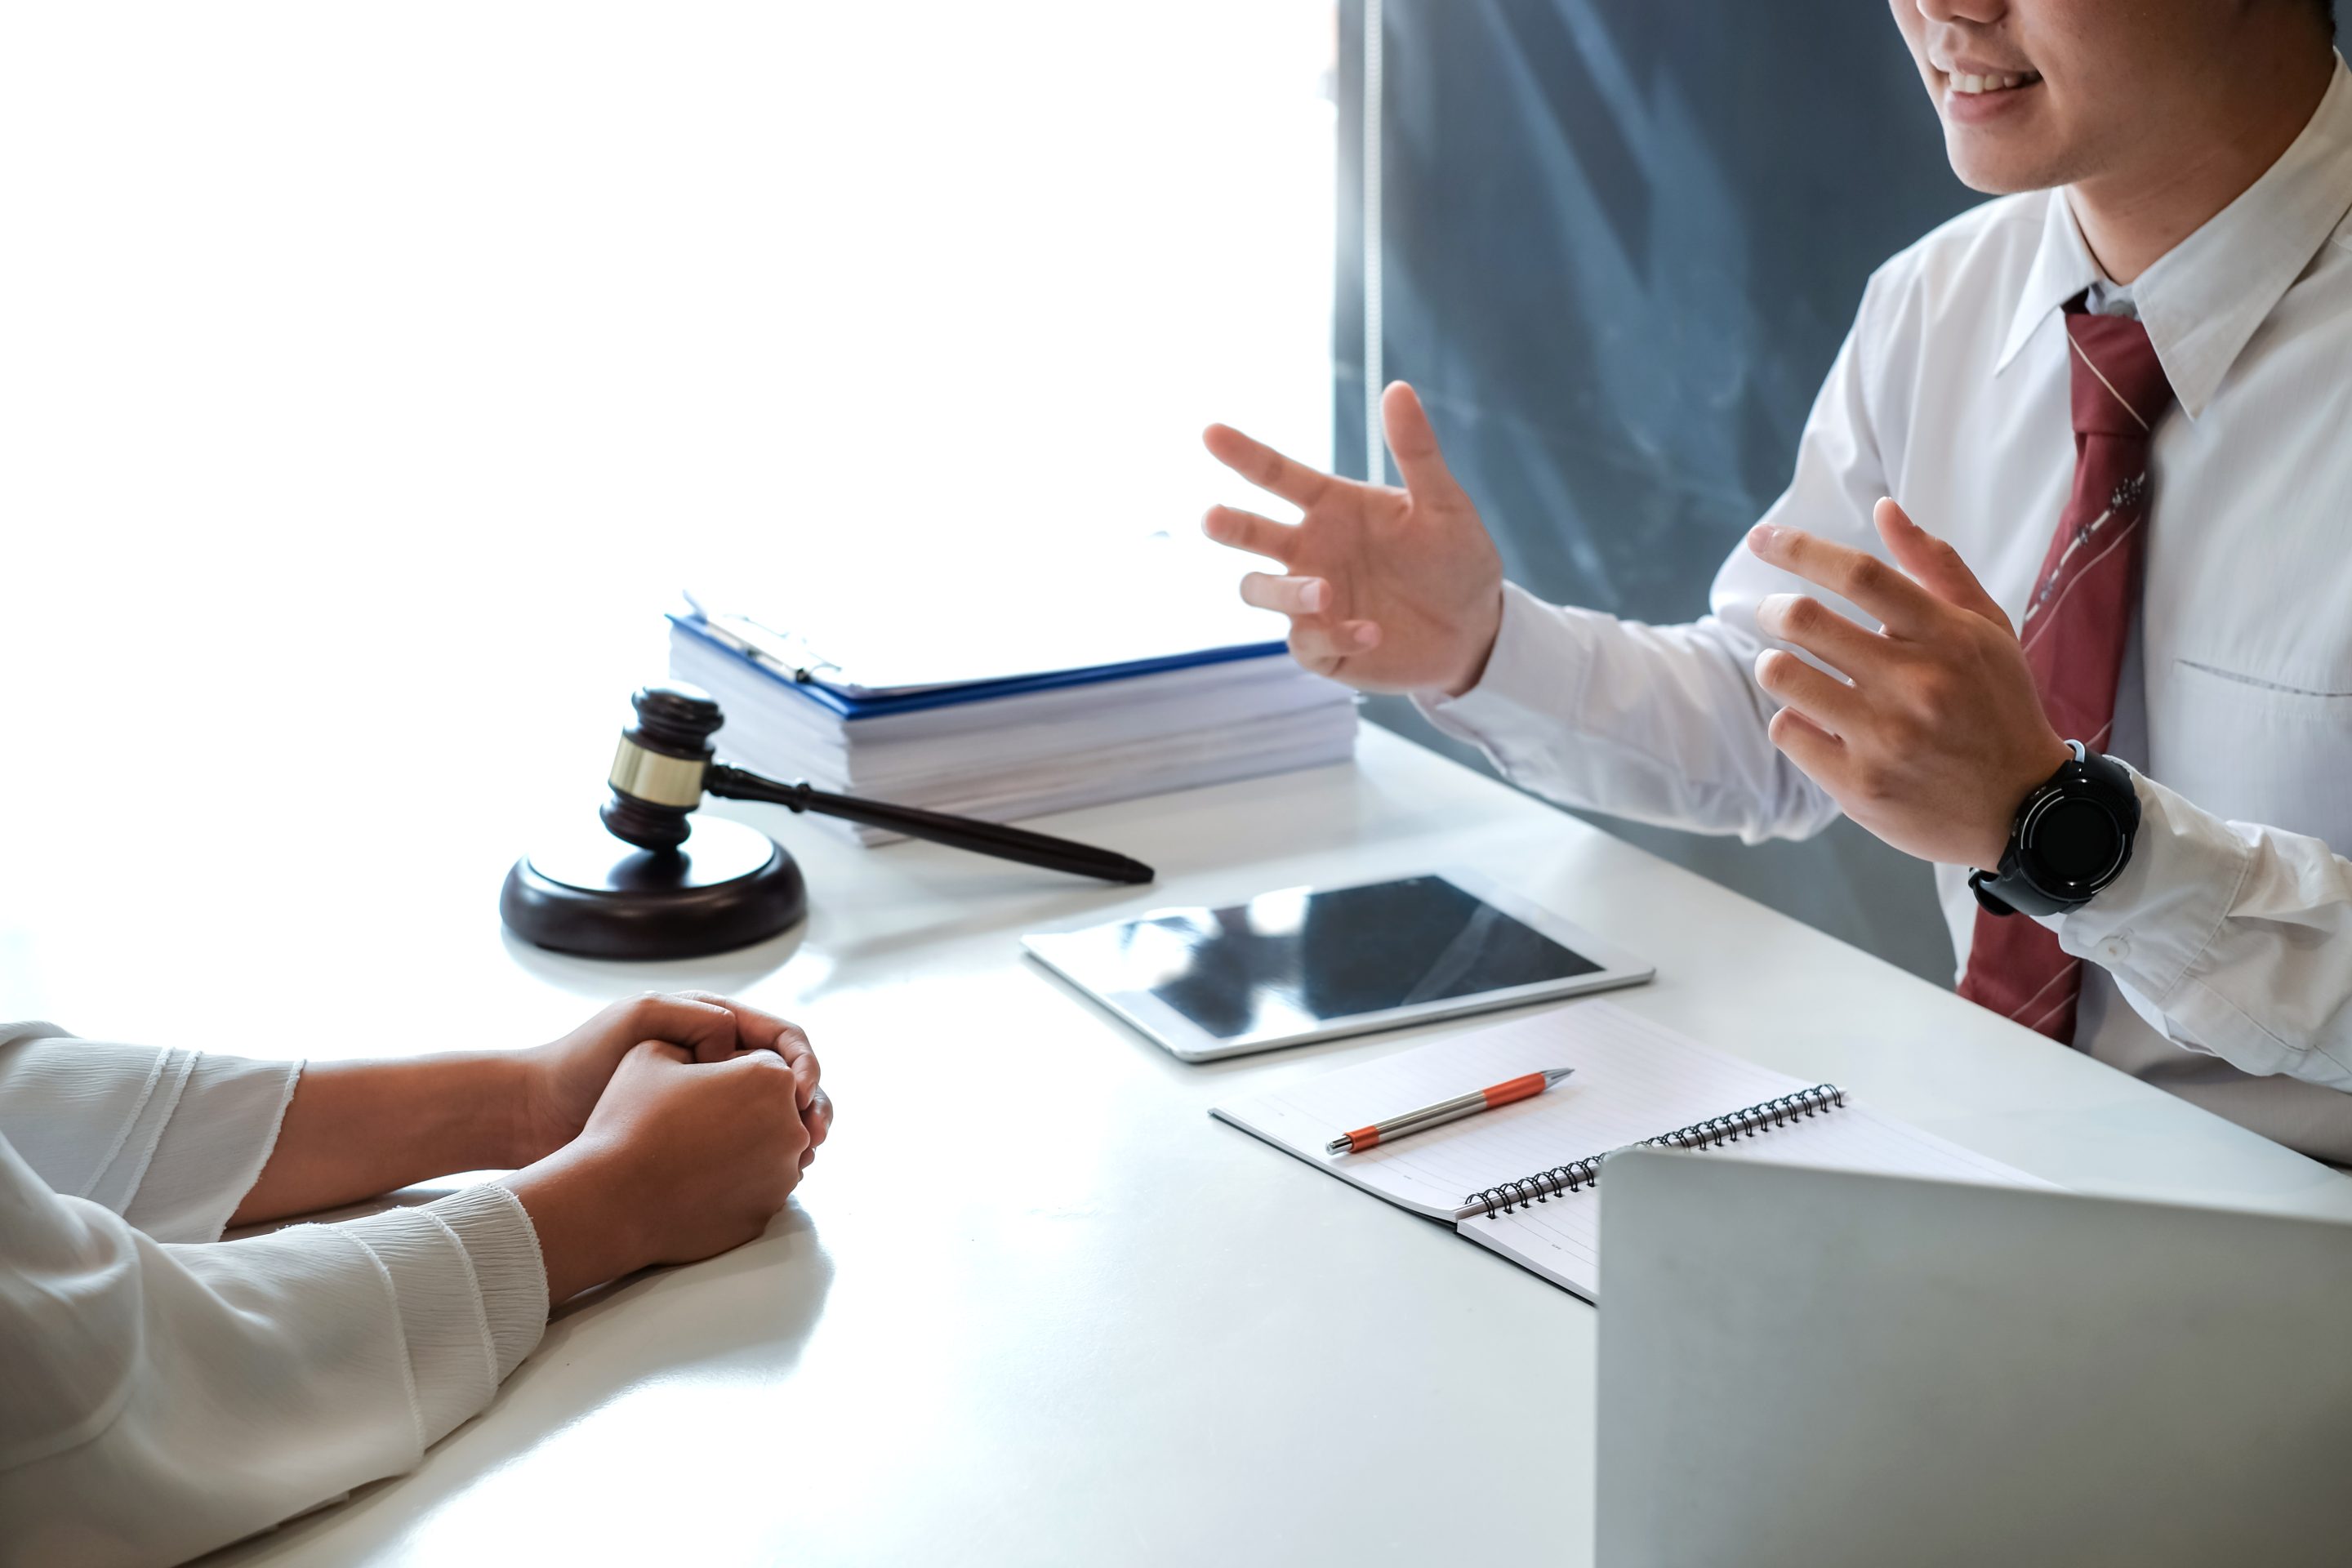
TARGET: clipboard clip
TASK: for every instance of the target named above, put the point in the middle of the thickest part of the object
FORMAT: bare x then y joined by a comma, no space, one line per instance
785,653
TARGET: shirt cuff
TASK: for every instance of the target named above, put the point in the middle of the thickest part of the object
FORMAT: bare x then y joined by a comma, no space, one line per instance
1538,648
471,1292
2153,925
502,1245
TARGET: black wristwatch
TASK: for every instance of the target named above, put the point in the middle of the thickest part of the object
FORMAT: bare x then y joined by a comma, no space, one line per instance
2072,837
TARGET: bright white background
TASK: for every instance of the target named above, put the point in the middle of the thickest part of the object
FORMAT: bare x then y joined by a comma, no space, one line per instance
372,379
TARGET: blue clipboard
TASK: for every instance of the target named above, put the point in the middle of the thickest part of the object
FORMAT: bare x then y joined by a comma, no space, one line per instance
813,688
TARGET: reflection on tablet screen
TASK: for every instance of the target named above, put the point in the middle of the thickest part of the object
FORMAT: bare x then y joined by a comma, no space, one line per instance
1295,959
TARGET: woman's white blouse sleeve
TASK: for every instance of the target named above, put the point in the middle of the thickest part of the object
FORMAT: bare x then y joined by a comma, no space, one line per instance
170,1139
158,1399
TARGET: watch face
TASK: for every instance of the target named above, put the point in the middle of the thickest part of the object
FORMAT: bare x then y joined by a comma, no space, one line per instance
2074,842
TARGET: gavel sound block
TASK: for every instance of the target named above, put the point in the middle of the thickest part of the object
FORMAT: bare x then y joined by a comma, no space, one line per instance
657,883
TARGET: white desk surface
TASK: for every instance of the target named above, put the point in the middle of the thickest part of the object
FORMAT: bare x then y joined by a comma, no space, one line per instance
1032,1306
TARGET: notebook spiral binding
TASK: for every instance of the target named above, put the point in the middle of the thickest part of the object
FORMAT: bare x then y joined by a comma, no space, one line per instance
1820,1100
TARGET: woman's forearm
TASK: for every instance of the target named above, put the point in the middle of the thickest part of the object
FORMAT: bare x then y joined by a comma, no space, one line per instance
357,1129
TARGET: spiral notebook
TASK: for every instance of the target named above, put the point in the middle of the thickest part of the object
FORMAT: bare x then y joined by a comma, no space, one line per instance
1526,1180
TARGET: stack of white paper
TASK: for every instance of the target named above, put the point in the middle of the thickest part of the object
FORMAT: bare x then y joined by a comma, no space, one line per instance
1095,712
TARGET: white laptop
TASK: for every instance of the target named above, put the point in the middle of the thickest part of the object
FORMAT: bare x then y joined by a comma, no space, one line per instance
1806,1367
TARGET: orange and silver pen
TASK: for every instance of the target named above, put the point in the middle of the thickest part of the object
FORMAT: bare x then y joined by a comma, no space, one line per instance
1445,1111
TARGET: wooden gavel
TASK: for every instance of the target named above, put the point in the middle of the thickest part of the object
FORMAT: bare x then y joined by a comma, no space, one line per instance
665,766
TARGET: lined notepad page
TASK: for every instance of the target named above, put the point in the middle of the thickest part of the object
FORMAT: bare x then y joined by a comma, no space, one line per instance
1634,1079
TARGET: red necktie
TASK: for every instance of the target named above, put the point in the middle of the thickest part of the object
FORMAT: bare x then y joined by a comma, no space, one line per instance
2075,628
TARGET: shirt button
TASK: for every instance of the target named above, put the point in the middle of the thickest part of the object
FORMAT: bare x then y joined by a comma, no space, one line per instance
2114,950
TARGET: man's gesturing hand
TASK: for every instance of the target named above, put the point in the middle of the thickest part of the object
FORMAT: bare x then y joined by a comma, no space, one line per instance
1937,734
1387,589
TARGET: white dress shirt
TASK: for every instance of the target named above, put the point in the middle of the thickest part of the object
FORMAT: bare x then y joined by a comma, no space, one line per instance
2220,964
158,1398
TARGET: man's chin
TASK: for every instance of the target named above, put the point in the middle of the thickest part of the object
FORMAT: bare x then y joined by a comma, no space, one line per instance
1996,171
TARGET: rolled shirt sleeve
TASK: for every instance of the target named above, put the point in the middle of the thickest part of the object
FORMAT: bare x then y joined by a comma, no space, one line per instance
2230,937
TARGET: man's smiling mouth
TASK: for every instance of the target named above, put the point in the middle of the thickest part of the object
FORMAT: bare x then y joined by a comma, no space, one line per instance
1976,77
1998,81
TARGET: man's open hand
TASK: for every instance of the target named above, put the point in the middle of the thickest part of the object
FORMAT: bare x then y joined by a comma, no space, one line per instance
1387,589
1936,734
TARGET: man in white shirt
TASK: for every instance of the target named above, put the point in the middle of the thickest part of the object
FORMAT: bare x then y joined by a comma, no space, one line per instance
2122,401
163,1392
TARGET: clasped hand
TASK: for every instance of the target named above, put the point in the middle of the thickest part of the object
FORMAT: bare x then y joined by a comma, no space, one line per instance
564,1078
664,1130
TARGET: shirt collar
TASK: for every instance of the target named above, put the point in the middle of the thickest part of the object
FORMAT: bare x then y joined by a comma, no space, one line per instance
2203,298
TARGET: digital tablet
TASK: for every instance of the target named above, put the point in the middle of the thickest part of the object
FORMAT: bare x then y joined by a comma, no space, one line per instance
1310,964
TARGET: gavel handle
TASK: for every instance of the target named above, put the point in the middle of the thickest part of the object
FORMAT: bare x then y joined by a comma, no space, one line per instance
963,831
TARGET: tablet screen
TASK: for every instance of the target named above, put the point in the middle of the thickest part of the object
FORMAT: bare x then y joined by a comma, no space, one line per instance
1298,958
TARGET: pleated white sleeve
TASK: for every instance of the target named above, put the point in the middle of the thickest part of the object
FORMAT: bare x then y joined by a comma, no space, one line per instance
159,1399
170,1139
